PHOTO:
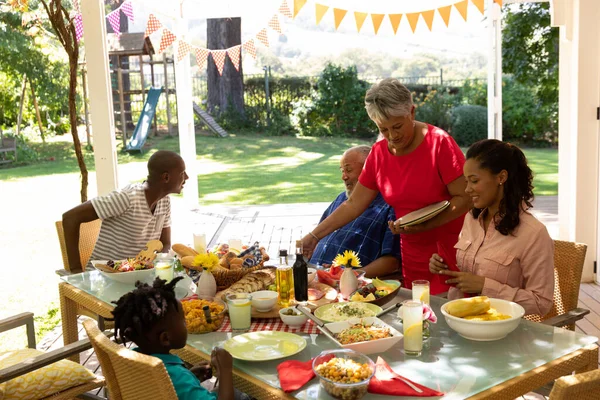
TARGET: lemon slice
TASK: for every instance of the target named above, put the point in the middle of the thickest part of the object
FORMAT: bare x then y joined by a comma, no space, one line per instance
413,329
424,297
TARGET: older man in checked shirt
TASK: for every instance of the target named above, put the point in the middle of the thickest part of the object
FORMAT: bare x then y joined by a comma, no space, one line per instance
368,235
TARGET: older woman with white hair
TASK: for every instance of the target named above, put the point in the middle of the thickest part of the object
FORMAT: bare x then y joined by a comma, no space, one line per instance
416,165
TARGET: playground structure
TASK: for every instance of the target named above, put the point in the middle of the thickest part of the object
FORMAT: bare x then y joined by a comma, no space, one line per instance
142,129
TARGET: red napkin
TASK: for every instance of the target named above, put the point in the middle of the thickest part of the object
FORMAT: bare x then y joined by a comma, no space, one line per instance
386,381
294,374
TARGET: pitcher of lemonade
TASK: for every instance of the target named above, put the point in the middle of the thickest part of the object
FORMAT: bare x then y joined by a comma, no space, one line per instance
284,280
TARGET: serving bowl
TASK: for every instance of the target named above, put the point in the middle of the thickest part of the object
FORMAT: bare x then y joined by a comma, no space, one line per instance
487,330
312,273
337,389
293,321
263,300
195,317
382,300
372,346
129,277
331,312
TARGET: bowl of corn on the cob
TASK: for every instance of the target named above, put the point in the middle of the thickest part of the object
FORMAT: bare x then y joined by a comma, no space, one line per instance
482,318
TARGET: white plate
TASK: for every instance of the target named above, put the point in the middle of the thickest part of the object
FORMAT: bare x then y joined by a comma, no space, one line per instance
263,346
144,275
423,214
370,347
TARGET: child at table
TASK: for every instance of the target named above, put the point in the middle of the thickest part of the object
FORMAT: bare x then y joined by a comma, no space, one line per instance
153,318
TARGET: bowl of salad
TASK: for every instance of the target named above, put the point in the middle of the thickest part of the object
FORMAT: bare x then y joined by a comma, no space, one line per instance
125,271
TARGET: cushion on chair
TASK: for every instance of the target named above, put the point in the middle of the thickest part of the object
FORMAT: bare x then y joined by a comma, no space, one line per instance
43,382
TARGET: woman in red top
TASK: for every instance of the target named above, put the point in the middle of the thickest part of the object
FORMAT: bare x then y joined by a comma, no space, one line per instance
416,165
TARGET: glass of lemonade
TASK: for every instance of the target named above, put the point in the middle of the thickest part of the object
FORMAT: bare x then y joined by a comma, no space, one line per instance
164,268
239,306
200,242
412,322
420,291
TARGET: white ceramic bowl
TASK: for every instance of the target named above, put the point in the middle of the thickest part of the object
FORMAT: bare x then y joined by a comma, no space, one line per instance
293,321
144,275
263,300
312,274
487,330
370,347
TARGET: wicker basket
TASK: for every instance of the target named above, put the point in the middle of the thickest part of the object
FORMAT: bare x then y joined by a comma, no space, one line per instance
225,279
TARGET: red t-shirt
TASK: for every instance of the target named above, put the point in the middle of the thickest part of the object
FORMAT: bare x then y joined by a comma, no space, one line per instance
413,181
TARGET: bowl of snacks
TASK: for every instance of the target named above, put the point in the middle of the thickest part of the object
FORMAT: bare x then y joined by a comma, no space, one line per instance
125,271
343,373
377,292
292,317
263,300
482,318
204,315
365,335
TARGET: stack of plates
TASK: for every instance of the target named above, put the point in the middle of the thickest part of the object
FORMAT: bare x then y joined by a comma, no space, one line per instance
422,215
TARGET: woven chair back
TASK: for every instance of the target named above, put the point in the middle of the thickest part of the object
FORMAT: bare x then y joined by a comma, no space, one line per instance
129,374
583,386
88,234
568,266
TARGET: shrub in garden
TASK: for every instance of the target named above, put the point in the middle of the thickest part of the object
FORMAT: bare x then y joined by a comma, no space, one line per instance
434,107
469,124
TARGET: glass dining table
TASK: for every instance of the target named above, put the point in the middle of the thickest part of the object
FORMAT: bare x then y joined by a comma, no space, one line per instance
527,358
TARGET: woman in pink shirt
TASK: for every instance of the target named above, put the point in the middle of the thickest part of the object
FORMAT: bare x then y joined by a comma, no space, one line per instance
503,251
416,165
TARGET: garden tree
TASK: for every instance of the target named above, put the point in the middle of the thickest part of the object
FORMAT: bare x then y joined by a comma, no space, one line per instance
226,90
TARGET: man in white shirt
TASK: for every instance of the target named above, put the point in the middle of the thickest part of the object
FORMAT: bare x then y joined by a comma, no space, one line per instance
131,216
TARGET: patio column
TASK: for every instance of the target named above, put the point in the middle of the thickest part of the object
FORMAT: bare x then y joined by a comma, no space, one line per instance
101,107
494,80
578,130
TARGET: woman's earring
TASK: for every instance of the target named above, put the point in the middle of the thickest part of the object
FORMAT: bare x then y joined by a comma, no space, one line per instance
414,124
500,183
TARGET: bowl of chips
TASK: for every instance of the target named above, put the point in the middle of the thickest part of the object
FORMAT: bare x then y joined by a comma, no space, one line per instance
204,315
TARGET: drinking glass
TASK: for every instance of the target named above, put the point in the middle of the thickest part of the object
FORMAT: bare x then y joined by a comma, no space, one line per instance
235,244
420,291
412,322
240,311
164,268
200,242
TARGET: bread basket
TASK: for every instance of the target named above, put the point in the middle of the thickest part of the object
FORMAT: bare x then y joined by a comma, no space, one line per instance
223,278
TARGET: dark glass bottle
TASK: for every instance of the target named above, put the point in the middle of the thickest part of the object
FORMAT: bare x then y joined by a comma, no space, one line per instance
300,275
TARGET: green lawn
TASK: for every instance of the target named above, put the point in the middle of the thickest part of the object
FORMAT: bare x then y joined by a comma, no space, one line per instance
256,169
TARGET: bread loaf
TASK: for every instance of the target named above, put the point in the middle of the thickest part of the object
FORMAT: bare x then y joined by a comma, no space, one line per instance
183,250
252,282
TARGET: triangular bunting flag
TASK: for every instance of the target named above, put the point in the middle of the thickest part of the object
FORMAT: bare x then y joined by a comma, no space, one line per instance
234,56
262,36
461,6
274,24
499,2
78,27
320,11
445,13
127,9
360,19
413,18
183,49
250,48
218,57
152,26
298,4
479,4
166,40
377,19
338,16
395,20
114,18
428,17
285,10
201,56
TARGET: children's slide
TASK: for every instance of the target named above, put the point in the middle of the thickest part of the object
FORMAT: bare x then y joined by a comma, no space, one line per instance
140,134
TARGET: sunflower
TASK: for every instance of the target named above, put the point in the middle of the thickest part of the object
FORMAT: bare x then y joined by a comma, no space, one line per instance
348,259
206,260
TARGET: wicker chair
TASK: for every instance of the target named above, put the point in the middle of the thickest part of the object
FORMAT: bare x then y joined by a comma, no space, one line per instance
568,265
583,386
47,359
88,234
129,374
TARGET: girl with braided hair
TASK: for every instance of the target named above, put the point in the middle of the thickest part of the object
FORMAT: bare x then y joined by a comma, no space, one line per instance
503,251
153,318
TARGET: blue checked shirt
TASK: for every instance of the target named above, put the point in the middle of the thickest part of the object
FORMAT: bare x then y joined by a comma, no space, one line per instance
368,235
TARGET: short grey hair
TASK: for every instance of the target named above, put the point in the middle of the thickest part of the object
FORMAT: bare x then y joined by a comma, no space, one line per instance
363,150
388,98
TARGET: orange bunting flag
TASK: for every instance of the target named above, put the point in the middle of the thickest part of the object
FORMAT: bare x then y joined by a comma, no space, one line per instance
499,2
250,48
285,10
320,11
298,4
218,57
479,4
360,19
262,37
234,56
152,26
395,20
445,13
183,50
428,17
201,56
166,40
461,6
338,16
377,20
413,18
274,24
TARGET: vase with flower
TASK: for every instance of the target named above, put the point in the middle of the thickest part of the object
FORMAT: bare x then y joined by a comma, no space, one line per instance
348,281
207,285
